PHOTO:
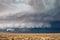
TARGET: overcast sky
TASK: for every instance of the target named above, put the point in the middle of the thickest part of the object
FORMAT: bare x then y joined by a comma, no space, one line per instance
22,10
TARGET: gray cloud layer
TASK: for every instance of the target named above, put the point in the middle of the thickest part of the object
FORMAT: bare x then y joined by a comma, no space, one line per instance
26,13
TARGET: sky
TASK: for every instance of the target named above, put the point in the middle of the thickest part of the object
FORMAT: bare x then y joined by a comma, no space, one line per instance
15,13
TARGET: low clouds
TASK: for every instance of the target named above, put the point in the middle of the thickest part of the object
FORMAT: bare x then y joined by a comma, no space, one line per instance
23,14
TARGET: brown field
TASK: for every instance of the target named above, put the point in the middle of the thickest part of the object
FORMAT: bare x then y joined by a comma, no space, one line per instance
27,36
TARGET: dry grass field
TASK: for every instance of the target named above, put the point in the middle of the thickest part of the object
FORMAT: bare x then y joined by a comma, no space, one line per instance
27,36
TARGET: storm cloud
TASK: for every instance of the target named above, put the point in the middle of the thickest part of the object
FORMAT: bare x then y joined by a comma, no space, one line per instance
25,13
